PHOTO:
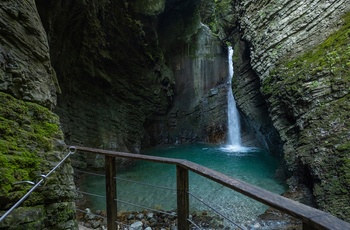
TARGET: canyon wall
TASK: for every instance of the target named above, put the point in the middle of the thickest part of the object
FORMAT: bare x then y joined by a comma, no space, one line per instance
112,68
298,53
31,141
200,70
132,75
126,74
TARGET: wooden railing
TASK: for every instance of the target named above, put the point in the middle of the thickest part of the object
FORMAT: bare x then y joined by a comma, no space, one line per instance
312,218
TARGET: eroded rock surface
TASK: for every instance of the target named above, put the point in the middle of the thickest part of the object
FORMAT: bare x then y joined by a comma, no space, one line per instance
306,94
25,65
133,74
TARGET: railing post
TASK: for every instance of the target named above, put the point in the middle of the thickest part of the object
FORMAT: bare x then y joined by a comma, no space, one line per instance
111,192
182,198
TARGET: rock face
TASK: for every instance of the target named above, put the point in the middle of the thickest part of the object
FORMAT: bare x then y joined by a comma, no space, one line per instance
25,67
201,74
128,65
110,70
31,145
138,73
31,141
304,79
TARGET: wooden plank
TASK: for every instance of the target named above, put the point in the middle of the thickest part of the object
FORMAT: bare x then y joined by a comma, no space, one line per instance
111,192
182,198
310,216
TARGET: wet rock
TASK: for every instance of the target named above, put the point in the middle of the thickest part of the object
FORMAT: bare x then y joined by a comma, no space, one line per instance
140,216
31,78
283,90
131,216
136,226
150,215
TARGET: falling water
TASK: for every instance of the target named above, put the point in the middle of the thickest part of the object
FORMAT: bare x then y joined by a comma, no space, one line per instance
234,133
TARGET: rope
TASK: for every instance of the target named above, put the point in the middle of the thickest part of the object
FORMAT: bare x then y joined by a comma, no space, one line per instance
144,207
225,217
150,185
193,223
131,181
91,194
125,202
90,173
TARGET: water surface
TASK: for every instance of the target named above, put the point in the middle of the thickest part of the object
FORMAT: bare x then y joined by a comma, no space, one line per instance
251,165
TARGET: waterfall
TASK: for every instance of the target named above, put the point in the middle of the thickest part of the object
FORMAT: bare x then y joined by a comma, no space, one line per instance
234,129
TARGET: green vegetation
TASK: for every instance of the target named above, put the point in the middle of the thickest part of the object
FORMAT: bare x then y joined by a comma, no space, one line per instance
331,58
220,10
26,131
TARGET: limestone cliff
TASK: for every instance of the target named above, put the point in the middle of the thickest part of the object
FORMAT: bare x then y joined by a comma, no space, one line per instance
110,71
200,72
137,73
121,67
31,141
298,52
25,65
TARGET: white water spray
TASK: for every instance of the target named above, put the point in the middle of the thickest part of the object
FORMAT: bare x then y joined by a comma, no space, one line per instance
234,129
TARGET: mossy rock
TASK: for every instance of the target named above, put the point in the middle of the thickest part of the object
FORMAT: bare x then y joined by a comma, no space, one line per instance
27,131
309,97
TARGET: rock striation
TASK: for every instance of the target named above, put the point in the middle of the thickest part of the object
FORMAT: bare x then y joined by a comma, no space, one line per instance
200,72
130,74
111,71
297,52
25,64
31,141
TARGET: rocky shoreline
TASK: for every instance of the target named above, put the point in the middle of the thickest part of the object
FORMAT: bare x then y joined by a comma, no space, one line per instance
148,220
167,220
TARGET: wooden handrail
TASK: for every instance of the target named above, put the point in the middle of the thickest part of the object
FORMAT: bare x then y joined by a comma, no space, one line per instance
311,217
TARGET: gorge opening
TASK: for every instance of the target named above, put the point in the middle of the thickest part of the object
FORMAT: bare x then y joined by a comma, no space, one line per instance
153,185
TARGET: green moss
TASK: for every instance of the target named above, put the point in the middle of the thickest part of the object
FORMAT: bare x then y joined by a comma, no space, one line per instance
329,57
220,9
26,131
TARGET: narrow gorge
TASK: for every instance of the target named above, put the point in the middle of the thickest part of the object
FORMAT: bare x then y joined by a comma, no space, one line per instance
127,75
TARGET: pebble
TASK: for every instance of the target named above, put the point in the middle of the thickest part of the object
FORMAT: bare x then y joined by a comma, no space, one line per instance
131,216
150,215
136,226
95,224
140,216
150,220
